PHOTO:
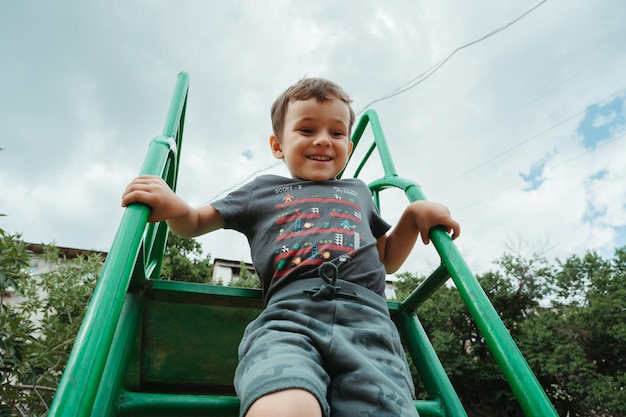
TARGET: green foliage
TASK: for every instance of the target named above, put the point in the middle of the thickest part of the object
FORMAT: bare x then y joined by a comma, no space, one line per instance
246,278
183,260
576,347
37,334
13,263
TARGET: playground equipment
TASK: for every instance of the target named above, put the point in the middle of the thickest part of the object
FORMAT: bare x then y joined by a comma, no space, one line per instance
149,347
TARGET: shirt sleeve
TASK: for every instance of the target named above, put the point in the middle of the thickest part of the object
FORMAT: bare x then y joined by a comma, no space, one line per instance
378,225
234,208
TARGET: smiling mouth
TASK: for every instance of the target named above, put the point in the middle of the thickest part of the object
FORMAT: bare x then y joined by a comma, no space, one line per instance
320,158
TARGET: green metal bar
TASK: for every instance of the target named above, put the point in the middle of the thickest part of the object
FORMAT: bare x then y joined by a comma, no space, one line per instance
138,404
381,143
371,117
429,367
524,384
254,294
117,363
426,289
364,160
528,391
175,122
430,408
160,151
156,234
175,118
79,384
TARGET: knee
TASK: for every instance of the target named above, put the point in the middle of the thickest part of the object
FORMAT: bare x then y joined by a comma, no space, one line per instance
287,403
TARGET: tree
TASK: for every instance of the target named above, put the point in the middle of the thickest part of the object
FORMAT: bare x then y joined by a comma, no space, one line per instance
461,348
576,347
16,334
246,278
36,336
13,263
183,260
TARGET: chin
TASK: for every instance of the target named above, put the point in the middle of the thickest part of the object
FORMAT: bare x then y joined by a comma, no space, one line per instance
314,178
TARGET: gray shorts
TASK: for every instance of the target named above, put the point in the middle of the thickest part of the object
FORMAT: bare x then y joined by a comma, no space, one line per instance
347,353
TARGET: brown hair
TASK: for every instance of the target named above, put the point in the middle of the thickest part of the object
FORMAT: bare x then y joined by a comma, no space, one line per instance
318,88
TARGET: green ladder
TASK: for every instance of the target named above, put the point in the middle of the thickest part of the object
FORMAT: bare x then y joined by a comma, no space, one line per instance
149,347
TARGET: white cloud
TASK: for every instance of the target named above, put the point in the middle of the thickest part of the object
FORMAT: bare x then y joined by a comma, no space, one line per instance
87,85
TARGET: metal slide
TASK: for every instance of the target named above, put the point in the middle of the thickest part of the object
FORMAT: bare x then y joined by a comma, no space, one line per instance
149,347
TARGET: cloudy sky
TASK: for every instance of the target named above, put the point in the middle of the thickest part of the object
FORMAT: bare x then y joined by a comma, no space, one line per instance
510,112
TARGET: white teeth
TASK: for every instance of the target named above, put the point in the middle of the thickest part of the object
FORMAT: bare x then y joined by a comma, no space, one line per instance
319,158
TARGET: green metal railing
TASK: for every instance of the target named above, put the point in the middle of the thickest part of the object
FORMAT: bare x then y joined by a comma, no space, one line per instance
130,262
97,381
524,384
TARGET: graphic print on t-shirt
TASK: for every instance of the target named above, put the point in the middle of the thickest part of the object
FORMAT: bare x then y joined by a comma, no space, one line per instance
313,228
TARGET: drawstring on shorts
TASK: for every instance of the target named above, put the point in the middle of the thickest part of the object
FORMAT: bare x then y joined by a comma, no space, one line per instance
329,272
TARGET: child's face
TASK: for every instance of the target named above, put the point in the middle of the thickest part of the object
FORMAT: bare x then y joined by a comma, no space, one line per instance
315,140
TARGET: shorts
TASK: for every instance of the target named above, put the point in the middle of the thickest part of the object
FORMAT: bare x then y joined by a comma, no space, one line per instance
345,352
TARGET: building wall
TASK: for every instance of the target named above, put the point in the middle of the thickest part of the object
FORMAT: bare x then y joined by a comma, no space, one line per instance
39,266
226,271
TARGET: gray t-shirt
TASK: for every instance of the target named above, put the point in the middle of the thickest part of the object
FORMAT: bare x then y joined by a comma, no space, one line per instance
293,226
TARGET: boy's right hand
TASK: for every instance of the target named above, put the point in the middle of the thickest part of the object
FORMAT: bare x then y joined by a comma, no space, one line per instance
154,192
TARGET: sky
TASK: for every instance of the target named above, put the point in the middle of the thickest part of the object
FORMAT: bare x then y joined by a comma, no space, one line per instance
510,113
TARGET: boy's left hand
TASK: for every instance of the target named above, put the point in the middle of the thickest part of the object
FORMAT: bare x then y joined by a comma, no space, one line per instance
428,214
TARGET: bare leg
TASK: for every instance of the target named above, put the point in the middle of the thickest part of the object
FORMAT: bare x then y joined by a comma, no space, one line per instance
287,403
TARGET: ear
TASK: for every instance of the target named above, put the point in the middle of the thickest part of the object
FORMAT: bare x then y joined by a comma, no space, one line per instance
277,148
350,147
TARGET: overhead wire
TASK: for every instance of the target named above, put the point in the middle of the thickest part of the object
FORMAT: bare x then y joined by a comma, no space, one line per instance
516,146
517,184
429,72
531,138
403,88
425,75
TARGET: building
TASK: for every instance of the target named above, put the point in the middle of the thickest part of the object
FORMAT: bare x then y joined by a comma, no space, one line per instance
227,272
39,265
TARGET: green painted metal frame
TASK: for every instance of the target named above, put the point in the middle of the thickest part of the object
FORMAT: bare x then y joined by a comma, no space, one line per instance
96,379
524,384
131,261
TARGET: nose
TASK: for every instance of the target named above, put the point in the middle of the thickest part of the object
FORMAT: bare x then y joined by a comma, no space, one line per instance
322,140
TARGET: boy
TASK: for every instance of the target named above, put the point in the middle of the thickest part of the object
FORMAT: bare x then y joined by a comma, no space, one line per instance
324,345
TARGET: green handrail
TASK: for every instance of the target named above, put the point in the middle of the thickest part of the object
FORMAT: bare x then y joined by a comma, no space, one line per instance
130,261
524,384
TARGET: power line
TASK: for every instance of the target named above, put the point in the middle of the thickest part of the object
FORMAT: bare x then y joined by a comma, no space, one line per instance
531,138
426,74
406,86
528,104
613,139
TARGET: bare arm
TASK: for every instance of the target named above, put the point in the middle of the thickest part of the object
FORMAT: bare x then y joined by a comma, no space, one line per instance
184,220
418,217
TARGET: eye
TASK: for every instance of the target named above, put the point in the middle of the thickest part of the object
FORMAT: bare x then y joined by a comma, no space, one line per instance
305,130
337,134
